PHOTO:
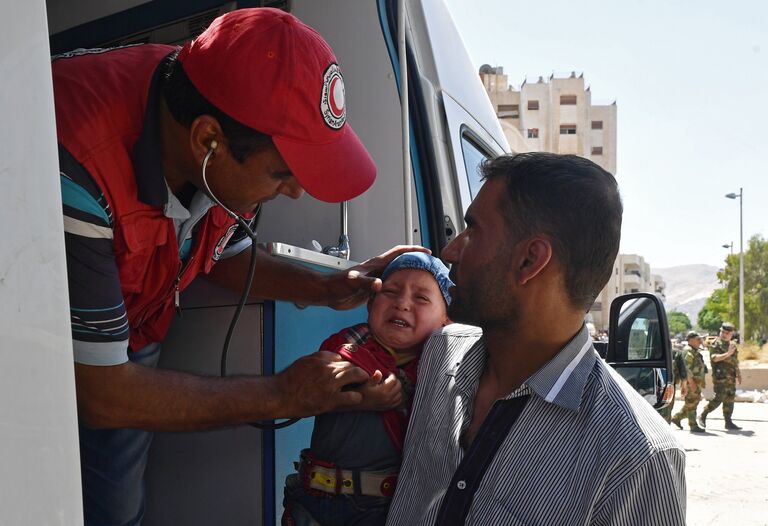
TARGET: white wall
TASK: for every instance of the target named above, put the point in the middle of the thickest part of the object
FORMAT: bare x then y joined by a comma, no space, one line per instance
39,459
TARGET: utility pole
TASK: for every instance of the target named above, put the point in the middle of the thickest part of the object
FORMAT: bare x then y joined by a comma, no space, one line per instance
742,329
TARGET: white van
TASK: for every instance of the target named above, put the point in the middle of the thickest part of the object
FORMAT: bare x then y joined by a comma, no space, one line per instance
232,476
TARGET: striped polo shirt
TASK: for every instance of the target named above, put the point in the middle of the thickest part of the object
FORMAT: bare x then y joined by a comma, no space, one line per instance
586,448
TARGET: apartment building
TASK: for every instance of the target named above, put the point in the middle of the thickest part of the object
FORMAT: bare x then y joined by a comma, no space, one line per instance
631,273
557,115
553,115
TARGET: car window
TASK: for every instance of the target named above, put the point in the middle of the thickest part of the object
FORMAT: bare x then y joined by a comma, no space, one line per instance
473,158
644,336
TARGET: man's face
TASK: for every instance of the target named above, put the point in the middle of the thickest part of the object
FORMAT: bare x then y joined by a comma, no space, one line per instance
243,186
695,342
408,308
726,335
481,258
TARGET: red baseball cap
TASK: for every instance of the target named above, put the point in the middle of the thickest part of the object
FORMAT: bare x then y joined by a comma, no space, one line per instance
271,72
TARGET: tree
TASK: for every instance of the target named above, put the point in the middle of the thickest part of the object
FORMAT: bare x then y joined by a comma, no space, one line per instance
679,322
715,311
755,288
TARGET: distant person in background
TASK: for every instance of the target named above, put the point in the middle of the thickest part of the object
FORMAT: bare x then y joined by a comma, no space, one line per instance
724,356
693,384
679,375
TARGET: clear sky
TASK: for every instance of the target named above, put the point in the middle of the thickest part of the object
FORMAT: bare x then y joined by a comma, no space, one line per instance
691,82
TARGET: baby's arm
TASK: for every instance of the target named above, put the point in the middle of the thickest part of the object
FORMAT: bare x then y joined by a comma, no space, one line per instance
379,395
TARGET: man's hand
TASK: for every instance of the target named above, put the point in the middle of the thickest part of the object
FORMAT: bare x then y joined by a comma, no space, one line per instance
349,288
683,388
731,349
380,395
314,384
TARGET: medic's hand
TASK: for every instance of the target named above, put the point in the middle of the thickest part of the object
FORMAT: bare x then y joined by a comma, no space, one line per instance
349,288
380,395
314,384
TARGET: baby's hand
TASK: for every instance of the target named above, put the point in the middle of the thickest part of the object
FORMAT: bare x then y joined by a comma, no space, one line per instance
380,395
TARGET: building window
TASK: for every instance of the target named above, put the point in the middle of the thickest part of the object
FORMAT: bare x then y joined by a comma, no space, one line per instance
597,150
508,111
567,129
533,105
533,133
597,125
567,100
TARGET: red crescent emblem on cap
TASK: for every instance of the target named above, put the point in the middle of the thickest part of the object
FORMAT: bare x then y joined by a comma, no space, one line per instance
332,105
337,111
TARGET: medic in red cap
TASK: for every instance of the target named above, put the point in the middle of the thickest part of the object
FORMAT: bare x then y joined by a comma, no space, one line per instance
163,153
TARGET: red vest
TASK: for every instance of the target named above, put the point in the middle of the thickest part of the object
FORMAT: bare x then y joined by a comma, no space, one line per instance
100,103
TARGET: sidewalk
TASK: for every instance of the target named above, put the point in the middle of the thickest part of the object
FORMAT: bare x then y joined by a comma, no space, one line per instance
727,472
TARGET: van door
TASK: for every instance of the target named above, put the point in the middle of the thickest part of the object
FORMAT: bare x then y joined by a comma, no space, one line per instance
453,125
639,346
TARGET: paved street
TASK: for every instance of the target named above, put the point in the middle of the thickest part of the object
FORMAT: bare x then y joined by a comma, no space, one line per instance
727,472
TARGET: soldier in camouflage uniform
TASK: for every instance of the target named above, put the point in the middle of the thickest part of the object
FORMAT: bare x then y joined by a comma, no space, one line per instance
725,371
694,363
679,376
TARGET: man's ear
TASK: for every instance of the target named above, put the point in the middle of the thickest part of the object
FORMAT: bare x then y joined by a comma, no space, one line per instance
203,131
537,253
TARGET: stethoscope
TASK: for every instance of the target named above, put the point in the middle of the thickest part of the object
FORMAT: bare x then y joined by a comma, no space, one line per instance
250,231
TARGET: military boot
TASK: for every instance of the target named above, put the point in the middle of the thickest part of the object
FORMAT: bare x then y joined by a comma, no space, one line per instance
697,429
676,420
730,426
702,420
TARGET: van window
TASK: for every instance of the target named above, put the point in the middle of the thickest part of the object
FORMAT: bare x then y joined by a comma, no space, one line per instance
473,158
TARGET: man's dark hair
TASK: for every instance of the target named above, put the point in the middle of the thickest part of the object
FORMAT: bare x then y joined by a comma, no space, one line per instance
571,201
186,104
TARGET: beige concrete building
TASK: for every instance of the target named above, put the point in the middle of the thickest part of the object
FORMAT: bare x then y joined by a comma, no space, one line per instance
631,273
557,115
553,115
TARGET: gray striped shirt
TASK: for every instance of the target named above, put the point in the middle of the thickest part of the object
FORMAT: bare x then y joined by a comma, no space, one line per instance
586,450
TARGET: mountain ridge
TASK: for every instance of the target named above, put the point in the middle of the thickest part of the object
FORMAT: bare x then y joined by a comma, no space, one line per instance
688,287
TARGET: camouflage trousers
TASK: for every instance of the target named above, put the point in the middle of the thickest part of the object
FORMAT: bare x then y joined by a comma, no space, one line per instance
725,393
692,399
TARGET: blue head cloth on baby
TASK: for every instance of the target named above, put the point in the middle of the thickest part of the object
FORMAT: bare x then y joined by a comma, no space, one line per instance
422,261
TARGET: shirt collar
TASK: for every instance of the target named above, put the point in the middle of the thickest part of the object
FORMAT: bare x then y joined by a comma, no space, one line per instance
560,381
147,153
173,207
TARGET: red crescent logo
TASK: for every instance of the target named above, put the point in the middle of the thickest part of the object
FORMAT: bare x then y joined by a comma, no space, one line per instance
332,99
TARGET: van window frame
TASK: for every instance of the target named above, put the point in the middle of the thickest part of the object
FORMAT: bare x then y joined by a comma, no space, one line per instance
468,136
